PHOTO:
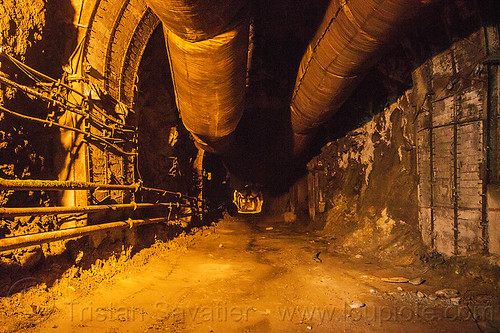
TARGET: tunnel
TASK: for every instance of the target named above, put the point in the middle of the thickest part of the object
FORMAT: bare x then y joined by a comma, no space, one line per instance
249,166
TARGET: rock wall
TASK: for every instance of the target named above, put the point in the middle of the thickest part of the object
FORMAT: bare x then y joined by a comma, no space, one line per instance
22,24
367,183
24,147
419,168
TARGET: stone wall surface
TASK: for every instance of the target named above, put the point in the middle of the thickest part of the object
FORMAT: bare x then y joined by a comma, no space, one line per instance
368,183
421,163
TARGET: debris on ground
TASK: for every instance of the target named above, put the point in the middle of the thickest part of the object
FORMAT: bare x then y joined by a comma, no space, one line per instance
289,217
395,280
357,305
447,293
416,281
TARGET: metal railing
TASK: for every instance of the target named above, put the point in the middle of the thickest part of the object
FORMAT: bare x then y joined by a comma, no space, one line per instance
55,93
28,211
15,242
11,243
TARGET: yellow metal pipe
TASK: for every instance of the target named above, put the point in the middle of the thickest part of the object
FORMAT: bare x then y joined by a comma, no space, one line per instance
11,243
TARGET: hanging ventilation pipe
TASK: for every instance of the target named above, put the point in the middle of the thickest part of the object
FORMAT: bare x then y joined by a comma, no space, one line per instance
350,39
207,44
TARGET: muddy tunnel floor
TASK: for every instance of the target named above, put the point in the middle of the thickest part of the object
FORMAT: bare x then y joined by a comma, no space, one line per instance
253,275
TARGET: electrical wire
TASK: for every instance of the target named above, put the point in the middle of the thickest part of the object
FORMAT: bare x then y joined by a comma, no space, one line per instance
32,73
25,68
52,123
75,109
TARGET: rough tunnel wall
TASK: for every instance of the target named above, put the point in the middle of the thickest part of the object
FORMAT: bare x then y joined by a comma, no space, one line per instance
26,148
21,27
433,139
43,35
368,181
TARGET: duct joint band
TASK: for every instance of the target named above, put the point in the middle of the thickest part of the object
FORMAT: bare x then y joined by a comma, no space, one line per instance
340,76
352,19
334,17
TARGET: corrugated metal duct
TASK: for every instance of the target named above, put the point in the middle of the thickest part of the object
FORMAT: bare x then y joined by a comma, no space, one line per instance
351,38
207,42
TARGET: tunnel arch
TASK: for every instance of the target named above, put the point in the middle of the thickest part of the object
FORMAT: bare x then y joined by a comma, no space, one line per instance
117,34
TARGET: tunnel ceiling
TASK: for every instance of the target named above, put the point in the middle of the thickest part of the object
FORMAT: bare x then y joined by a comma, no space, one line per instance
118,32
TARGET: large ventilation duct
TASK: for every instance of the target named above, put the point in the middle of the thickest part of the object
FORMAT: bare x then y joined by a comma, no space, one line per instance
351,38
207,42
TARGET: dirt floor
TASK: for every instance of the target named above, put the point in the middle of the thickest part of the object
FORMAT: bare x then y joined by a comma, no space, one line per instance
251,275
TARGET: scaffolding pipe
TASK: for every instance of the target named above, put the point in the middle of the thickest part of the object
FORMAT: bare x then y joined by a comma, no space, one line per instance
27,211
57,185
11,243
163,192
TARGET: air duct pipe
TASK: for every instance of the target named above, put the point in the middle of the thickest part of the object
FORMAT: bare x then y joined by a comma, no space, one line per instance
350,39
207,42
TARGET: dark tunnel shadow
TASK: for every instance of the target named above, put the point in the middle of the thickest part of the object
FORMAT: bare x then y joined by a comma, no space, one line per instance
282,31
52,52
155,117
